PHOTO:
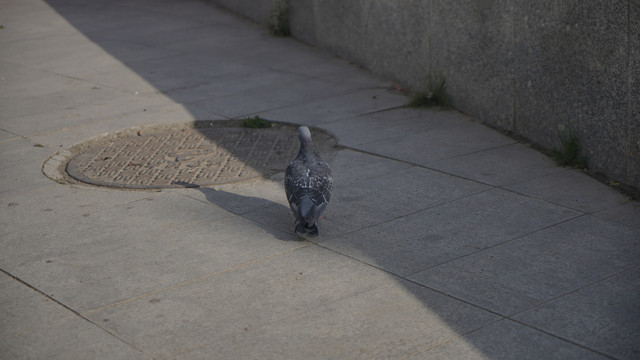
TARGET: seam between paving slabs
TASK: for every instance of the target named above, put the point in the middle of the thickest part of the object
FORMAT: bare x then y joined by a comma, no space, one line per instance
396,276
460,336
501,187
406,277
500,318
502,243
84,315
334,95
67,318
605,278
404,215
563,339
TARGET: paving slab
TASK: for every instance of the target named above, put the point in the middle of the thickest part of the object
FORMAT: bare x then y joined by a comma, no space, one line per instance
35,327
20,165
165,73
184,10
85,103
127,52
394,321
135,25
393,123
320,112
330,67
611,325
16,179
72,338
573,189
444,233
63,139
193,38
231,84
30,19
505,340
92,261
19,152
627,214
425,146
275,55
26,83
50,203
38,91
513,163
386,197
189,317
351,167
526,272
278,216
59,53
346,74
239,198
280,101
24,309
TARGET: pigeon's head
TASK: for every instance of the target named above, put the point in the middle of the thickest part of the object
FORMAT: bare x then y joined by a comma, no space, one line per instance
304,134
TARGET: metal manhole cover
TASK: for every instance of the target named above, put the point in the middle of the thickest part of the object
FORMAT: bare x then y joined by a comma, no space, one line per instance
188,157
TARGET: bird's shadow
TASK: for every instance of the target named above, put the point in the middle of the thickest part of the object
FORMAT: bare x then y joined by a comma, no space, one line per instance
269,215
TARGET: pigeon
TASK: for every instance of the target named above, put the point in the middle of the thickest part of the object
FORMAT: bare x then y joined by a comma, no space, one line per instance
307,184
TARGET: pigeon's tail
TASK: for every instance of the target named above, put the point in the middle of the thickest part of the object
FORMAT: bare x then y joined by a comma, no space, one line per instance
307,210
307,224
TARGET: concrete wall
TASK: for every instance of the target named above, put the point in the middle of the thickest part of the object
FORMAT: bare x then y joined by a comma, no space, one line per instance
540,69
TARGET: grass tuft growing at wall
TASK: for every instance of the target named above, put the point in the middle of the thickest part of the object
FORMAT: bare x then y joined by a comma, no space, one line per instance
436,95
279,20
569,153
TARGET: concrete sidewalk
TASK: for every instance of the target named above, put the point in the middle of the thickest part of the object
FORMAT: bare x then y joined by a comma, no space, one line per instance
444,239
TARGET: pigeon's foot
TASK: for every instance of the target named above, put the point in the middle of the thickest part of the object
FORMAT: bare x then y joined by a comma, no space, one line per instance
300,229
306,231
312,231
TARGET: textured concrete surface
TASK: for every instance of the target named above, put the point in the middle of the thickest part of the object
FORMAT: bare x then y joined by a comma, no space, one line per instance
543,70
444,238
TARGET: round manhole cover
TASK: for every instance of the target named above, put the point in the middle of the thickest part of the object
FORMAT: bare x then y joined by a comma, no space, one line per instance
189,156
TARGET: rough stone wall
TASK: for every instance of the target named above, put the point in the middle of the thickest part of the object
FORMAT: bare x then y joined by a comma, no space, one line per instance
541,69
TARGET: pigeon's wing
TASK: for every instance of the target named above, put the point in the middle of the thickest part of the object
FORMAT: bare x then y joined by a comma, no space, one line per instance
293,178
288,182
322,183
292,188
308,189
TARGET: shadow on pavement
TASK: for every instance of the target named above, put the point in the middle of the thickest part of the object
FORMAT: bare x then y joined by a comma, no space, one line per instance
242,205
218,67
